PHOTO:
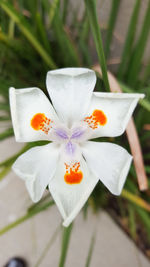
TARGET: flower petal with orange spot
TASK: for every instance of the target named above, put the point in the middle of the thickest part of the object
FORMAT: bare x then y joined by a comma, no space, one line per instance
100,117
37,121
97,118
73,177
73,173
41,122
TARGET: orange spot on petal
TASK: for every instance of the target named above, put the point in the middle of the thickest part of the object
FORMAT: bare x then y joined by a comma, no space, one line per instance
37,121
100,117
73,177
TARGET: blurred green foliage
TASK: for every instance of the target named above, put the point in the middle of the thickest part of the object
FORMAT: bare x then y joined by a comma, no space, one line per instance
34,38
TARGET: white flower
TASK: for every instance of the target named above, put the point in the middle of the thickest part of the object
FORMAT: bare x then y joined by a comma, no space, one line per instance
71,165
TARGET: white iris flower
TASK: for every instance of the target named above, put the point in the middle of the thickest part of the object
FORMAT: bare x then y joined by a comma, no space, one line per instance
71,165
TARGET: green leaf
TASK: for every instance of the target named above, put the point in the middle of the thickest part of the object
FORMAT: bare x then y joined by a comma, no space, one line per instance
65,10
129,40
47,247
42,33
65,244
28,32
4,172
4,106
134,199
65,43
143,102
132,222
111,25
92,15
4,118
139,49
26,217
90,252
145,217
7,133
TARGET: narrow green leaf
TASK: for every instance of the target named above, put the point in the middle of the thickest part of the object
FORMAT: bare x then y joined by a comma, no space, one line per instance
111,25
83,41
4,118
25,217
11,29
54,8
27,31
145,217
71,57
146,75
139,49
132,223
129,39
4,172
42,33
47,247
147,168
4,106
92,15
143,102
90,252
65,10
9,132
65,243
135,199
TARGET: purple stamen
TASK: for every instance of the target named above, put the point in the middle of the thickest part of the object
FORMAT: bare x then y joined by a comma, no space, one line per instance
61,133
70,148
77,134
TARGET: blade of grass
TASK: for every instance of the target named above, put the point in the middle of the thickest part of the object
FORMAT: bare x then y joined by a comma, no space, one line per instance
65,43
136,200
146,74
4,172
11,29
9,132
129,40
132,223
92,15
139,49
65,10
55,5
90,252
145,218
65,243
4,118
47,247
25,217
111,25
83,41
28,33
143,102
42,33
4,106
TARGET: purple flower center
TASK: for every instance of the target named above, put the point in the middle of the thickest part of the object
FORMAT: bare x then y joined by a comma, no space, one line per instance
70,148
61,133
77,134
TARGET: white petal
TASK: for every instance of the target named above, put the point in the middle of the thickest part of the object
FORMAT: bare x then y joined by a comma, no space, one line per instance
109,162
37,167
118,109
70,198
70,90
25,103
